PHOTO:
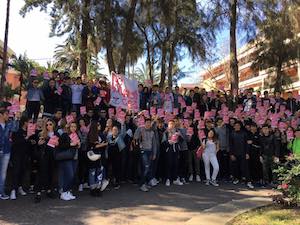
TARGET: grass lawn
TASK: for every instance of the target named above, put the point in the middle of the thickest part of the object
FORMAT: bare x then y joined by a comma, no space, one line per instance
270,215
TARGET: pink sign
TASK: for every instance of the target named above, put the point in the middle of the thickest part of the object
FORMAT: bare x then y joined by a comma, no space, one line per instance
59,90
160,112
175,111
74,138
174,138
103,93
153,111
97,101
69,118
53,141
46,75
82,110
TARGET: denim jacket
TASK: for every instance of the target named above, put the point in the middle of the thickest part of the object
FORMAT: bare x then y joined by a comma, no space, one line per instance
119,140
5,136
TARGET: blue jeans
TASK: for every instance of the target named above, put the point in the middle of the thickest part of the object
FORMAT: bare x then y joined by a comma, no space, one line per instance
66,174
146,166
4,160
96,175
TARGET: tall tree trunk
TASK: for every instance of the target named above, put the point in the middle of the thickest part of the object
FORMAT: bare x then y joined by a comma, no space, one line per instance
170,70
234,73
126,38
108,36
163,64
21,85
279,77
85,29
4,59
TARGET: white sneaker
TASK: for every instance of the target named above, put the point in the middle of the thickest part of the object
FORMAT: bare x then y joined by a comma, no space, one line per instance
207,183
144,188
104,184
13,195
21,191
71,196
64,196
191,178
250,185
155,181
86,186
152,183
198,179
214,183
80,188
168,183
177,182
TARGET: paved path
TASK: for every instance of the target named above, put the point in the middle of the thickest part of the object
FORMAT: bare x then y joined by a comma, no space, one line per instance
162,205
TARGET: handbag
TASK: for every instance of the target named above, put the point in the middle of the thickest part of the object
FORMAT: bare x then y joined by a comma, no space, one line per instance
61,155
199,152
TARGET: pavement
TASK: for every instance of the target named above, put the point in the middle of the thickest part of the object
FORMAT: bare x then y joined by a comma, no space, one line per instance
192,204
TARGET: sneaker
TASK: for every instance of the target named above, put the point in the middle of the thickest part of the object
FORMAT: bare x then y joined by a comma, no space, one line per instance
4,197
21,191
37,198
191,178
168,183
144,188
198,179
177,182
71,196
183,181
80,188
214,183
13,195
64,196
104,184
117,186
152,183
155,181
207,183
86,186
250,185
235,182
31,189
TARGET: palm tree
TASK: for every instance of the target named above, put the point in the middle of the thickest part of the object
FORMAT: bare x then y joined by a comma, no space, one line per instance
141,74
4,58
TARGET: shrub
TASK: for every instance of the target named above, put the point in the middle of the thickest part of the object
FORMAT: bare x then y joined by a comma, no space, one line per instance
289,177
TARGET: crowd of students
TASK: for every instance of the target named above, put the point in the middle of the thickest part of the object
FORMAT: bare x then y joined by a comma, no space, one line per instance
70,138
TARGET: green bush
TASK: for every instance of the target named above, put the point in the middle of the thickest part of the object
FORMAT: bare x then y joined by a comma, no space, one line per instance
289,177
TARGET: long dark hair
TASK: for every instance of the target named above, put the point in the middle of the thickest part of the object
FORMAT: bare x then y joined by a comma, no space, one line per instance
93,132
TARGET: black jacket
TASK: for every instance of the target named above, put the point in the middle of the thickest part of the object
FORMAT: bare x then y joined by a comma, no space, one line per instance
268,146
238,143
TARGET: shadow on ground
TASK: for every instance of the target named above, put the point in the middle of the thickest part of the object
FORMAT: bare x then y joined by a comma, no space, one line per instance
164,205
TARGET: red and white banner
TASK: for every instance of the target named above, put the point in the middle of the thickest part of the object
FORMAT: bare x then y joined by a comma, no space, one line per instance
124,92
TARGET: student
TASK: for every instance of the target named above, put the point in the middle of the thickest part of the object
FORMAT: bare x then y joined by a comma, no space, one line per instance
269,154
115,146
97,144
223,154
77,89
193,144
294,145
6,129
34,98
66,96
146,138
239,155
70,144
211,147
46,162
19,156
254,152
82,154
51,101
170,142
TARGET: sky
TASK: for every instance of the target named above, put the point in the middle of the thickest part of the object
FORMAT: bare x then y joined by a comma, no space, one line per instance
30,35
